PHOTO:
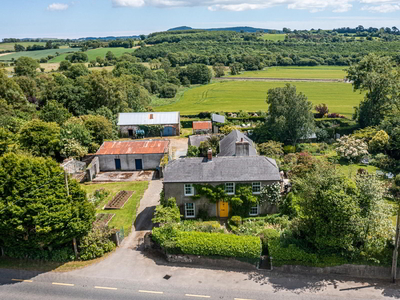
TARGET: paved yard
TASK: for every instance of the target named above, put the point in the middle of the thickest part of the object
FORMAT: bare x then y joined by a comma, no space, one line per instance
123,176
179,147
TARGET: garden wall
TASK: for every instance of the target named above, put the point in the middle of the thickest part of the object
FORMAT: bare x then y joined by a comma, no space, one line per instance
204,261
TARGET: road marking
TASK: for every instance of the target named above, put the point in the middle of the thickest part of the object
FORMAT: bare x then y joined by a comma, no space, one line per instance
105,288
22,280
150,292
198,296
65,284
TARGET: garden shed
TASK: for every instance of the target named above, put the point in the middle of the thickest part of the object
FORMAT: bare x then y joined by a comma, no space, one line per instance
130,123
132,155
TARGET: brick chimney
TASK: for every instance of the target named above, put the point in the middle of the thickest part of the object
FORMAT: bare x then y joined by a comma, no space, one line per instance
242,148
209,155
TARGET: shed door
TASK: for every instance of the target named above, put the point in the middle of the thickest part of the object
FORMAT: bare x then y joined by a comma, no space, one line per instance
117,164
168,131
139,164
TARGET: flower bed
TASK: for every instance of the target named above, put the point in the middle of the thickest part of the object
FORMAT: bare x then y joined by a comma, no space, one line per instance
103,219
119,200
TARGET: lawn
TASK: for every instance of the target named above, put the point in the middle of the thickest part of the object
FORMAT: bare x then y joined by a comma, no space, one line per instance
251,95
10,46
92,54
317,72
37,54
274,37
350,170
126,216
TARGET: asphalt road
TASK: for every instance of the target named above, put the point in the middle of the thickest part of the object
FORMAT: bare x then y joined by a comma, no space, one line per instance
131,273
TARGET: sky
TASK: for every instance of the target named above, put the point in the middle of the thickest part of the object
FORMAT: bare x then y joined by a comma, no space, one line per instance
98,18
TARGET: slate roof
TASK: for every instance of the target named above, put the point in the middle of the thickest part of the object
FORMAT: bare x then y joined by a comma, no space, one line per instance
195,140
199,125
133,147
227,146
148,118
222,169
218,118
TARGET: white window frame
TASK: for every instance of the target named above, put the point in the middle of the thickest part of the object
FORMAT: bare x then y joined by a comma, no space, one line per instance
186,185
252,188
233,185
191,209
258,210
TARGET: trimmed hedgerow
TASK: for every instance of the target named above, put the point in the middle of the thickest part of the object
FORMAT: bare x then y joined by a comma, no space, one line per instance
218,244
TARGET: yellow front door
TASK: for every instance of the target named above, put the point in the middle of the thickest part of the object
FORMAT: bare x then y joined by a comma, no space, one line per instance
223,209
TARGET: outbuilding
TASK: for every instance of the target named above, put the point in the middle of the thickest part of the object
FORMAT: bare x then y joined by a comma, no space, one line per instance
130,123
202,127
132,155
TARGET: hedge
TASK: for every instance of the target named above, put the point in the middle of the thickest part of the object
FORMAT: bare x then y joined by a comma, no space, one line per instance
292,253
219,244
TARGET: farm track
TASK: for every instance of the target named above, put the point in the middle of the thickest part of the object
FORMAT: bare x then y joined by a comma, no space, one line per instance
275,79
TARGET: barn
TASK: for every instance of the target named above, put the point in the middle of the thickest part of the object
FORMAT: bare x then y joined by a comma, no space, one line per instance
130,123
132,155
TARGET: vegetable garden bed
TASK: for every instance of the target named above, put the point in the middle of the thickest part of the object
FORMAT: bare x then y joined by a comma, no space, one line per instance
119,200
103,219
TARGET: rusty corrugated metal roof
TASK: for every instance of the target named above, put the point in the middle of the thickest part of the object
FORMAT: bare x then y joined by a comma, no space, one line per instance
201,125
133,147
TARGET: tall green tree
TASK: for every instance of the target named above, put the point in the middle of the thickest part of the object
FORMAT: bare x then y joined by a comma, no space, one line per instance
26,66
290,115
35,211
54,112
375,75
40,138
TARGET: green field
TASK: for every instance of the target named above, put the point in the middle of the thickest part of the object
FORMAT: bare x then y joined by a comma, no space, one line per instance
37,54
274,37
92,54
10,46
318,72
251,95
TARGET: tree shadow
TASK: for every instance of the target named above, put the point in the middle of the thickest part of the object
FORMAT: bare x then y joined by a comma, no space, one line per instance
143,220
296,283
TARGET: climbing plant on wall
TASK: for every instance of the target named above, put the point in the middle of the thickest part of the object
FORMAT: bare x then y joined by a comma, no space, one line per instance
240,202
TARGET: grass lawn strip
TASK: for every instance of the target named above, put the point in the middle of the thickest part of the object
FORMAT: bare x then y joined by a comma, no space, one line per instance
119,200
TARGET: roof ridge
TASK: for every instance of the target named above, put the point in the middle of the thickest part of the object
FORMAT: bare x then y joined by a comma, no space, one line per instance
268,159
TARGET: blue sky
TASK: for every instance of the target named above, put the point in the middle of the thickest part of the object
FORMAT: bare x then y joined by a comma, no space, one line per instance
83,18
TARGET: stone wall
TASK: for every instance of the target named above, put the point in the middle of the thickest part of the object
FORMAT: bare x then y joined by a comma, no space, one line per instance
124,129
176,190
93,168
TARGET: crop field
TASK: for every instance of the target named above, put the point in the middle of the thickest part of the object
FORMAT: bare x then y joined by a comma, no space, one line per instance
10,46
274,37
251,95
92,54
318,72
37,54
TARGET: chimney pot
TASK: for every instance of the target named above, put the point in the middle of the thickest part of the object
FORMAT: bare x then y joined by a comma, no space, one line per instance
209,154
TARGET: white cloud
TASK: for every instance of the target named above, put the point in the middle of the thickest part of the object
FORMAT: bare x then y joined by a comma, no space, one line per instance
57,6
382,8
338,6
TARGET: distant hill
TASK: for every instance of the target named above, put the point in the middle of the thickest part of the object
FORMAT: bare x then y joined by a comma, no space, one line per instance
237,29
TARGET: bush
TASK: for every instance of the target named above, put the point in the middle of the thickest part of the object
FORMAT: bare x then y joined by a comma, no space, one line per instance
236,220
351,148
289,149
272,149
218,244
193,151
322,110
289,254
96,243
168,213
379,142
168,91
